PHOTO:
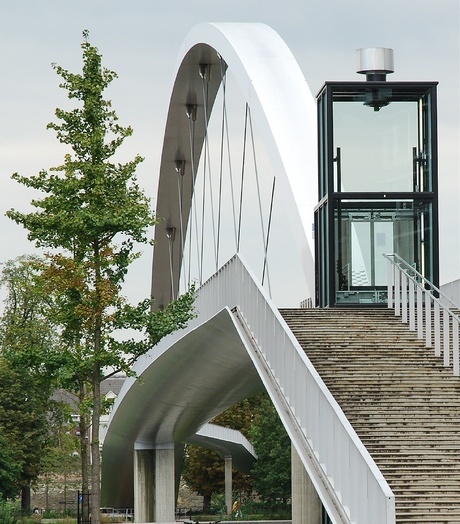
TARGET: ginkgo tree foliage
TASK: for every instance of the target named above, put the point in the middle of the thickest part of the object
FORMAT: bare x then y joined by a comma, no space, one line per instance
91,216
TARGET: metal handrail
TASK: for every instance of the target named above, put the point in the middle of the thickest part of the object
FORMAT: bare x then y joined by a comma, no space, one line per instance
422,279
421,304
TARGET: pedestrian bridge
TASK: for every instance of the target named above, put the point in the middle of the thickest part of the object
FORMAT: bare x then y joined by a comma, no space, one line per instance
238,344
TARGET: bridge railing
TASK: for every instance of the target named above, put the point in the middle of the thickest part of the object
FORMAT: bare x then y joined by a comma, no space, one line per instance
425,308
349,483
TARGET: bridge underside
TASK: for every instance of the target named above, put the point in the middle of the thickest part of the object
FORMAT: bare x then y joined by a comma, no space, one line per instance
200,375
237,346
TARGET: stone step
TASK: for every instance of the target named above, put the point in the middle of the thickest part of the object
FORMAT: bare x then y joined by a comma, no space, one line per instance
400,399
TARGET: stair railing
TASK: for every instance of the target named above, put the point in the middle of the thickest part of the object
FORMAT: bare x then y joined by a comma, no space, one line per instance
426,308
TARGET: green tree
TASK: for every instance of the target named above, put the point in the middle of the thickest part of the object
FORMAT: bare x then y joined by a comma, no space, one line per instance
204,469
9,512
28,335
29,346
93,214
61,463
204,473
10,467
272,469
23,430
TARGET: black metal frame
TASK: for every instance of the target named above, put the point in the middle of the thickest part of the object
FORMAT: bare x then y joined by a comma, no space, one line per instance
355,91
83,508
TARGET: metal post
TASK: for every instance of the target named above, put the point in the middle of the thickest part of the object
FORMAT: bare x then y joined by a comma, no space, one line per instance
404,297
419,312
428,320
455,348
411,305
390,286
397,288
437,329
446,325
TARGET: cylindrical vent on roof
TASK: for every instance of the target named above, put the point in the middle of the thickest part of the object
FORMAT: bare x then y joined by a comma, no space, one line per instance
375,62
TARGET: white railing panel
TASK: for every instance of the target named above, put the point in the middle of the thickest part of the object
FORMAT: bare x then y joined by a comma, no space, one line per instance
313,412
341,459
310,409
326,444
356,473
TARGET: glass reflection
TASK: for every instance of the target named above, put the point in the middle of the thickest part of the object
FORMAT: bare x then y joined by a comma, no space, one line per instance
365,231
375,148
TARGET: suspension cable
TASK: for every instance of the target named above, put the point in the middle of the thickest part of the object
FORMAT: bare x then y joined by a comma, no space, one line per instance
191,110
180,170
203,193
171,233
230,170
243,163
221,164
205,70
270,214
256,172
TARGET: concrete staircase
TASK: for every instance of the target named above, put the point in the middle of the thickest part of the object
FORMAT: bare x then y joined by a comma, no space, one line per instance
402,402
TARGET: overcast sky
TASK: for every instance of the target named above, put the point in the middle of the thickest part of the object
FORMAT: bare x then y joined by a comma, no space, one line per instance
140,39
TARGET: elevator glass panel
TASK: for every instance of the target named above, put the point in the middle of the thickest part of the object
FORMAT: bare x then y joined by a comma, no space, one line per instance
365,232
375,148
382,139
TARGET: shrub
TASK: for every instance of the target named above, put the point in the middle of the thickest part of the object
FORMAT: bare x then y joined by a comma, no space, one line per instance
9,512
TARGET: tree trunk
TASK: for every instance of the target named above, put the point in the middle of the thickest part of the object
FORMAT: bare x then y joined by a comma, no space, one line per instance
25,501
206,503
84,454
95,451
96,382
47,494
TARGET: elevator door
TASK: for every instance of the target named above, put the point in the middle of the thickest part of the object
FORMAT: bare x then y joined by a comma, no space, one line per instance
364,236
370,240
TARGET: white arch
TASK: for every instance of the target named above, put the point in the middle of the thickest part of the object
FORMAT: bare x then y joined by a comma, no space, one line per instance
272,83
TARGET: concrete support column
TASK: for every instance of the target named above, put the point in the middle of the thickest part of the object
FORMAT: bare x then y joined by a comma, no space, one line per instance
165,496
144,471
306,505
228,484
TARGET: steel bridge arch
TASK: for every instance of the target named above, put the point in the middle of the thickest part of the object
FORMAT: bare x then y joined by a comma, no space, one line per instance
280,99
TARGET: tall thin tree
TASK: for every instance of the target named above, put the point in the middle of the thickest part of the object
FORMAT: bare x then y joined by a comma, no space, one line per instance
93,214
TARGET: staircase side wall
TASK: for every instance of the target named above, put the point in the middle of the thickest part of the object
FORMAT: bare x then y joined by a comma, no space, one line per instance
345,476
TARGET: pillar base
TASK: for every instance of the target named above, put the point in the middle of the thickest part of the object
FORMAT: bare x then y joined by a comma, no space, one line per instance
306,504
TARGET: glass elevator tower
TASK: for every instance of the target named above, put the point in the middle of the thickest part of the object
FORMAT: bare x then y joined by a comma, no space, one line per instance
377,182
